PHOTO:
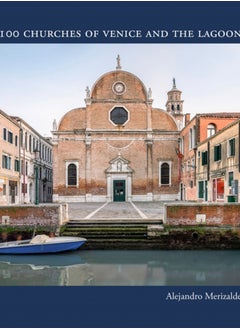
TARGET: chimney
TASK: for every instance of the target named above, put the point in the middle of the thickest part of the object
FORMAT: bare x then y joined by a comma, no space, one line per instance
187,118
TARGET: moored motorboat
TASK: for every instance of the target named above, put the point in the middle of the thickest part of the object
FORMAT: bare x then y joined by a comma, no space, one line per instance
42,244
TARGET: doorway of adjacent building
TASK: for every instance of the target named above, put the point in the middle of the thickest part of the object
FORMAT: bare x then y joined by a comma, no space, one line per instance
218,189
119,191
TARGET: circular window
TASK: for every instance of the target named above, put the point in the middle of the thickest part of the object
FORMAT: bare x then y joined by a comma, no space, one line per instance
119,88
119,115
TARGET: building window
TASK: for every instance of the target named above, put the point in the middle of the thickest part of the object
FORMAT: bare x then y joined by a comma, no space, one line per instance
26,141
4,189
30,143
201,190
231,147
165,174
16,165
218,152
5,134
193,164
16,140
24,188
21,138
72,175
22,168
6,162
119,115
230,178
26,168
204,158
211,130
10,137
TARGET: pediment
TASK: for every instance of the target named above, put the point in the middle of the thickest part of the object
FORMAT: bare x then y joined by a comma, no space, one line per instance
119,165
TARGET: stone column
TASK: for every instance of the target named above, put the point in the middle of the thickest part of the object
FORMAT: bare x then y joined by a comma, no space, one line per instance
129,187
109,188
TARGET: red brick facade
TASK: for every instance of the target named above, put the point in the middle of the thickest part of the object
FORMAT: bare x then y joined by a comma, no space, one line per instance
119,147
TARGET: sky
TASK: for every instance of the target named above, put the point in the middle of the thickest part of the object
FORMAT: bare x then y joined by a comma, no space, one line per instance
41,82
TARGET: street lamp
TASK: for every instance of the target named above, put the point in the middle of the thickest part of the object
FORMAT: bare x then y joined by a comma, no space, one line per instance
37,156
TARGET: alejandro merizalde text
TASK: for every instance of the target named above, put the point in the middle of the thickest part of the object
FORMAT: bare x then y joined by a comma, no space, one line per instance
179,297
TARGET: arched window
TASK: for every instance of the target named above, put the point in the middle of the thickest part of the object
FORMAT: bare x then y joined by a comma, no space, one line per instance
165,174
211,130
72,175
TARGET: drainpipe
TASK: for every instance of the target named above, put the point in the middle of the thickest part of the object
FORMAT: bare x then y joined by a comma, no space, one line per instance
208,161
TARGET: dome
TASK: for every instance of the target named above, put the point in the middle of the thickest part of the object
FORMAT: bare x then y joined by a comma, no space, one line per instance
74,119
161,120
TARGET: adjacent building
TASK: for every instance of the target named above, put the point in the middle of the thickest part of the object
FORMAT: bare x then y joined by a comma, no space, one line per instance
35,165
197,130
10,160
218,167
26,163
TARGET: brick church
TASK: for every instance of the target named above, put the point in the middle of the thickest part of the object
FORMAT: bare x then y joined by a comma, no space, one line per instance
119,147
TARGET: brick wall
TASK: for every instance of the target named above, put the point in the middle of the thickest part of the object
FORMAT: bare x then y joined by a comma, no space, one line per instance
195,214
42,215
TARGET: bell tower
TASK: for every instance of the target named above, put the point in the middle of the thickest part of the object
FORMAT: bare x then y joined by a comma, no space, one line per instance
174,105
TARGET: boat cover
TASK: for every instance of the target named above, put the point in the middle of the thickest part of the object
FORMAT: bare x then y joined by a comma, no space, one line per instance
41,238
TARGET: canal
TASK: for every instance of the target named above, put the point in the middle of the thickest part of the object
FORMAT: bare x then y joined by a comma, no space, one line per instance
123,268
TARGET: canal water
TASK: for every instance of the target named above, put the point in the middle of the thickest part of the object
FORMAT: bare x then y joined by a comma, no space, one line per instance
122,268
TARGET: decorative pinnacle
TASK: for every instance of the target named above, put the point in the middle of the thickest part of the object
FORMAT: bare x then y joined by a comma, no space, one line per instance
118,67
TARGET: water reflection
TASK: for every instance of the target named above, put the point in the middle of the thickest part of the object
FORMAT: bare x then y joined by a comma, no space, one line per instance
126,268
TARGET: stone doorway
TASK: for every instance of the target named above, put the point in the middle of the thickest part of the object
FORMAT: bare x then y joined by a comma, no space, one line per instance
119,180
119,191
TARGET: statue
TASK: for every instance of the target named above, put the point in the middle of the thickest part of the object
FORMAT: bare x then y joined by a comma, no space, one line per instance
87,92
149,93
54,125
118,63
119,166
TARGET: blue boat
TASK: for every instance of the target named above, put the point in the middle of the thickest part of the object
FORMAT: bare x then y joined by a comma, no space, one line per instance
41,244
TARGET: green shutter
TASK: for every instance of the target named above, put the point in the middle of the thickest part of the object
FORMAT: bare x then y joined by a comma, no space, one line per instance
219,152
204,158
200,190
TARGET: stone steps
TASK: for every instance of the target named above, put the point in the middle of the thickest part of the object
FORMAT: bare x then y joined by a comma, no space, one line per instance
113,222
112,234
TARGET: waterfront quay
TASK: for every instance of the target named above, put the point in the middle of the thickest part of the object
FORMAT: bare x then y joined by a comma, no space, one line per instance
151,225
131,225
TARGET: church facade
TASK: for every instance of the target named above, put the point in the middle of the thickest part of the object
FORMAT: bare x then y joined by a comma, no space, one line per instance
119,147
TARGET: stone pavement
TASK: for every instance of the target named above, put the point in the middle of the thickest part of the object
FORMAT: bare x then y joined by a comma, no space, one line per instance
115,210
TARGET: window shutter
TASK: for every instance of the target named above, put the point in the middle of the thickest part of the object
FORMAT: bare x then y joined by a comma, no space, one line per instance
200,190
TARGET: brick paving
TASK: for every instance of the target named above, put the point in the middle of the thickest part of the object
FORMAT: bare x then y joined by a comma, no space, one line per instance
116,210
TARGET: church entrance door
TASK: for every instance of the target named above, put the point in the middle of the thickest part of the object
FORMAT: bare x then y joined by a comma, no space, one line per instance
119,194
